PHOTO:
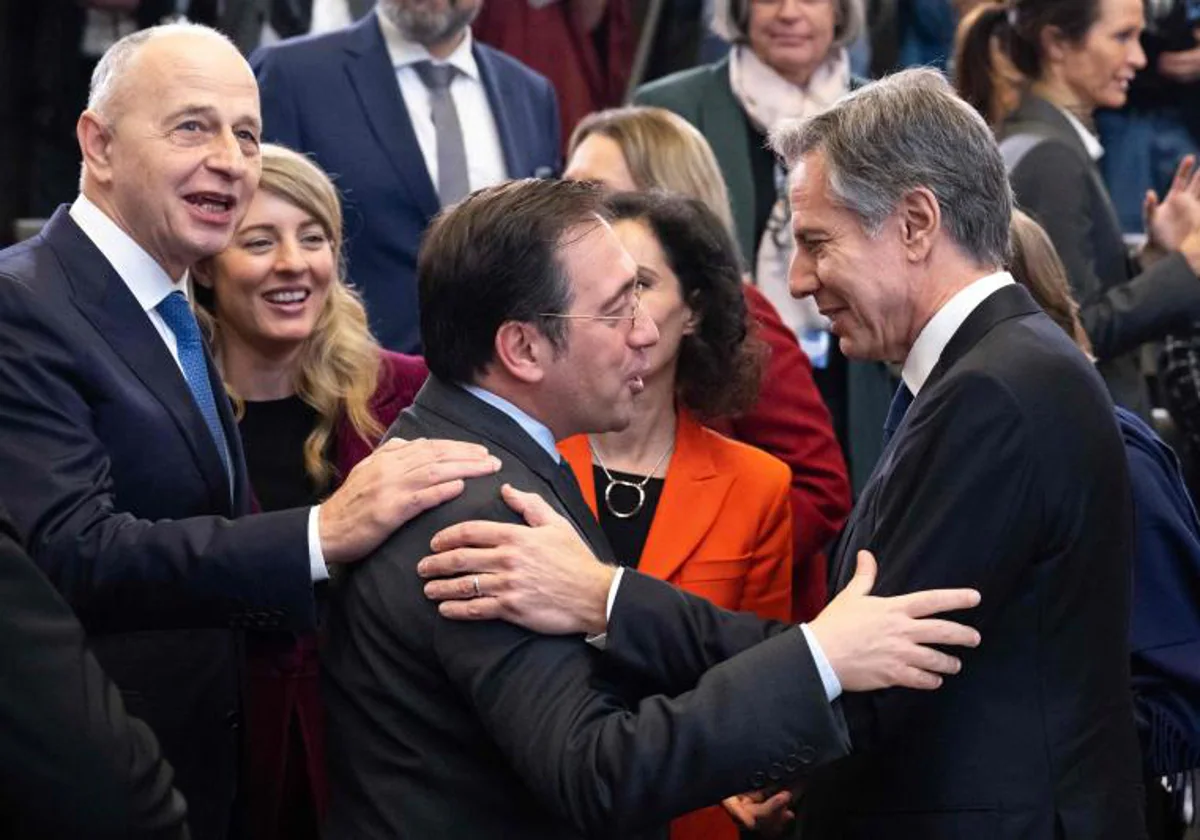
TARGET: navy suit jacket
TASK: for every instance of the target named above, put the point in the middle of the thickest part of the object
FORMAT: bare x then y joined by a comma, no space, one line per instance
335,97
114,481
1007,475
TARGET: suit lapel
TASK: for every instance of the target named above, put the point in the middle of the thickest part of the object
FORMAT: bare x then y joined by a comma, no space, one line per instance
464,410
692,497
721,120
1038,116
374,80
498,93
1008,302
106,302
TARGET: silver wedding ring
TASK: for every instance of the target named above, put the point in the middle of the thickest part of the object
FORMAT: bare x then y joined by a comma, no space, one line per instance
478,591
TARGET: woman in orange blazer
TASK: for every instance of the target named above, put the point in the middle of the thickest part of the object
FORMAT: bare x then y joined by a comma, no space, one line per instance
677,500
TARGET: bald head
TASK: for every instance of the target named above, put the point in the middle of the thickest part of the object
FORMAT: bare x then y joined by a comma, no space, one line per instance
170,141
121,65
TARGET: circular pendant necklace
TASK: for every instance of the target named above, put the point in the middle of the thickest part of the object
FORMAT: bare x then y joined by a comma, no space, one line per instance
638,487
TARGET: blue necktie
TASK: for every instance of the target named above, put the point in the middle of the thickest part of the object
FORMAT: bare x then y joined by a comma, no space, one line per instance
900,403
175,311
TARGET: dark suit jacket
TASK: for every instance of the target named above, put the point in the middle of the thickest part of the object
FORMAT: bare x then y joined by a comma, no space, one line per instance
461,729
1059,184
114,481
72,762
1007,475
335,96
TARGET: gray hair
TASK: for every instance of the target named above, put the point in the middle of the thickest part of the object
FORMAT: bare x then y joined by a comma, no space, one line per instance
907,131
112,67
731,20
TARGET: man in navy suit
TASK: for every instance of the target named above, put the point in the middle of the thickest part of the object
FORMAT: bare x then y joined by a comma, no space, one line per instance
119,455
407,113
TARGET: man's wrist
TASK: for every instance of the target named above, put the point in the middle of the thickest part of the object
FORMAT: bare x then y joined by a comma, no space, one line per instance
828,674
316,555
597,631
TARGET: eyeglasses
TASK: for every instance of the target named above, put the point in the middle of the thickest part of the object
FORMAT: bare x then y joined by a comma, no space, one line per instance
635,309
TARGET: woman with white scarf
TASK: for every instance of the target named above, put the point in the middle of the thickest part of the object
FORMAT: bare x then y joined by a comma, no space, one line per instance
788,61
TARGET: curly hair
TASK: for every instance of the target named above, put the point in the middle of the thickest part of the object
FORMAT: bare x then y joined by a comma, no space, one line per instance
339,363
721,362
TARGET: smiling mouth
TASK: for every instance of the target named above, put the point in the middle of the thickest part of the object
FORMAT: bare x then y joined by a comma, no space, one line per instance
286,296
211,202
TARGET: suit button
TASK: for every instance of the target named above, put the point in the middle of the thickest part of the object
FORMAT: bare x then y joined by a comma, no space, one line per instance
807,754
759,780
776,772
791,763
233,720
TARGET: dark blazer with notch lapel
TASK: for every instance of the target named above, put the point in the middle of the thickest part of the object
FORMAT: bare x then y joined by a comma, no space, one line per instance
116,485
1009,476
463,729
1059,184
335,96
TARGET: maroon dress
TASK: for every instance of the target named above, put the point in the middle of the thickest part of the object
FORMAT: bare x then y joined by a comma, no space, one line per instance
589,70
284,788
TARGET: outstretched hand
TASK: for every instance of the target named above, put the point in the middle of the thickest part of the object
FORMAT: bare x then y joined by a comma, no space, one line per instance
875,643
540,575
1169,222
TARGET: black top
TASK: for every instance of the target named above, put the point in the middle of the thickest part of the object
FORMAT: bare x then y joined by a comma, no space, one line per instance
626,536
273,434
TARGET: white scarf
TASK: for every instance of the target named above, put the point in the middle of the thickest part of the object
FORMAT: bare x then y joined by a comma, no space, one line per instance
770,100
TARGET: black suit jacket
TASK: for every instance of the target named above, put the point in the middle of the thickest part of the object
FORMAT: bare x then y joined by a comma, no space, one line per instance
72,762
116,485
335,97
460,729
1009,476
1059,184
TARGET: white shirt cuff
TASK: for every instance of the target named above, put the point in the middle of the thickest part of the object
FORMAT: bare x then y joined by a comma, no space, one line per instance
600,640
316,557
833,686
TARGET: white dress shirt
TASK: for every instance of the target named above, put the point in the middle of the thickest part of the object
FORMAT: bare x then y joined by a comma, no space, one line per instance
1090,141
935,335
485,154
150,284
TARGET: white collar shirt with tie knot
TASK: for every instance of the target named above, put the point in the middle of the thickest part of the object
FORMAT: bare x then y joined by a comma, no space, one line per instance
484,152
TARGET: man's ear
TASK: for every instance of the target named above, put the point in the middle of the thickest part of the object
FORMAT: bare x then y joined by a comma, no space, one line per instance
522,351
920,218
95,143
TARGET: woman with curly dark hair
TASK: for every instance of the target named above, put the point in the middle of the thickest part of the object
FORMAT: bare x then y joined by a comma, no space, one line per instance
677,500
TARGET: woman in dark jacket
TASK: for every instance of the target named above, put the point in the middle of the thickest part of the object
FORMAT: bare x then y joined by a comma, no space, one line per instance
1038,70
314,392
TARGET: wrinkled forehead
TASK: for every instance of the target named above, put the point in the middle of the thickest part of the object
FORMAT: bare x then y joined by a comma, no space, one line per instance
189,71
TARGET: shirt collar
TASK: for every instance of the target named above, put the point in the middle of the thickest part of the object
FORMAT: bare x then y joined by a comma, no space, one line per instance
935,335
534,428
405,53
143,275
1090,141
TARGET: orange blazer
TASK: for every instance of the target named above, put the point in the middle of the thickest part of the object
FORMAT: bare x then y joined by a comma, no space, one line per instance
722,530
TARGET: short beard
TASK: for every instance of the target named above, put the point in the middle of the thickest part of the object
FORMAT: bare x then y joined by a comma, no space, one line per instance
428,26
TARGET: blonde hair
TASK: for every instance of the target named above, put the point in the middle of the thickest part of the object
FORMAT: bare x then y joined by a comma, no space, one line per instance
663,151
1035,264
338,366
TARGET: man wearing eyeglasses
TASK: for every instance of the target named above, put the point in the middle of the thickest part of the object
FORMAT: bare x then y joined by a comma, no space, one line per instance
439,728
